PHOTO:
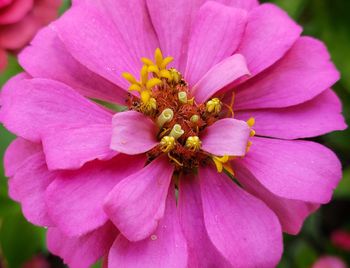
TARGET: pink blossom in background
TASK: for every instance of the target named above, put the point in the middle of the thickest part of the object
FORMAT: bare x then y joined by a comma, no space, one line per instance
341,239
329,262
233,89
20,20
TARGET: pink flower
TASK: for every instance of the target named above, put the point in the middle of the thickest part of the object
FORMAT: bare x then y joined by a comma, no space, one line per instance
149,187
341,239
329,262
20,20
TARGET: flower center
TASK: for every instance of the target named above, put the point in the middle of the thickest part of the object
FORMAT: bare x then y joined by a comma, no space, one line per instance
164,96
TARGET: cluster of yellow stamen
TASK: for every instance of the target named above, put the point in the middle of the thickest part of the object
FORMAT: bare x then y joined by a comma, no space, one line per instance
164,96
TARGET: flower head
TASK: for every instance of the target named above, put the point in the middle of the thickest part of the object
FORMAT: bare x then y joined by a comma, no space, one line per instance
204,168
20,20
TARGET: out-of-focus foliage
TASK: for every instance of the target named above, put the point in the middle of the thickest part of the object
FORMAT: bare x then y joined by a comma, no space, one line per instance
327,20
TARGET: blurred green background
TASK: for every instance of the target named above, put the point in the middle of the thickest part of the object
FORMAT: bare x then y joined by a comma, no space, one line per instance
328,20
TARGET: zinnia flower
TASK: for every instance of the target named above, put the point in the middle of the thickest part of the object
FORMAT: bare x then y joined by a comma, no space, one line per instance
20,20
205,168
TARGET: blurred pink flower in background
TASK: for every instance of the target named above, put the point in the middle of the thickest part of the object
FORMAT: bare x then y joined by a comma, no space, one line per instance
142,192
341,239
329,262
20,20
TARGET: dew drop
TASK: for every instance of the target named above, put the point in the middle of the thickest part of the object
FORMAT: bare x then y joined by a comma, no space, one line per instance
154,237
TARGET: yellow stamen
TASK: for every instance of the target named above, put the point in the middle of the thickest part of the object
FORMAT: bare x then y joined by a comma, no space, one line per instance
249,144
158,57
147,61
175,75
194,118
144,75
165,74
251,121
153,69
193,143
165,62
214,106
222,163
152,83
135,87
167,143
130,78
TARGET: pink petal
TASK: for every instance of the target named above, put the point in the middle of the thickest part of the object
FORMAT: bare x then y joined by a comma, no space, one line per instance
304,72
121,28
75,198
226,137
165,248
137,203
329,262
244,4
202,252
173,33
64,68
133,133
17,153
241,227
268,36
312,118
28,186
291,213
72,147
82,251
300,170
32,107
219,76
15,11
216,33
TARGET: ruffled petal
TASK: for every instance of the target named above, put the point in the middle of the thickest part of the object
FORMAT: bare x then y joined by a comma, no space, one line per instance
17,153
304,72
15,11
28,186
82,251
133,133
291,213
137,203
173,33
31,107
241,227
269,34
121,27
300,170
75,198
165,248
312,118
220,76
216,33
226,137
201,250
72,147
47,57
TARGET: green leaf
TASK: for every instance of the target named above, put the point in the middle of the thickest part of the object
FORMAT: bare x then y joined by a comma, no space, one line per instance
343,189
19,240
12,69
294,8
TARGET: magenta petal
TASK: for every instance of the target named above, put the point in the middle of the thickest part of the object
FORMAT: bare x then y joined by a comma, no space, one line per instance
72,147
300,170
244,4
226,137
82,251
137,203
133,133
28,186
64,68
291,213
173,33
312,118
268,36
241,227
31,107
201,250
123,32
216,33
16,154
165,248
219,76
75,198
302,74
